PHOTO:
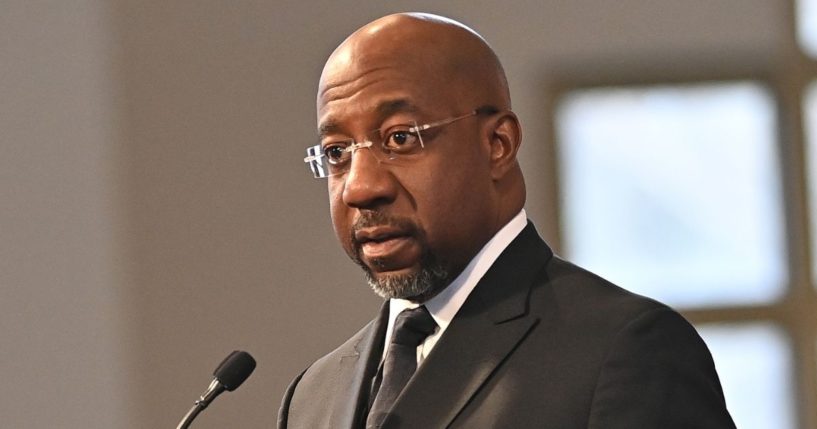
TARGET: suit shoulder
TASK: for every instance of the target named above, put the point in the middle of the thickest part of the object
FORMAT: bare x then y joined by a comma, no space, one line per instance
584,296
350,347
311,394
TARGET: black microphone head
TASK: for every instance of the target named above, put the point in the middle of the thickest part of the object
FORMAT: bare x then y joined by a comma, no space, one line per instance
234,369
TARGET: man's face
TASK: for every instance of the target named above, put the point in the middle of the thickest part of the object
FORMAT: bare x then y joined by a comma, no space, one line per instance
412,227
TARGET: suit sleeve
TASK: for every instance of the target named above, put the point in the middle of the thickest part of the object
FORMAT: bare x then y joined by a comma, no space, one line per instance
659,374
283,412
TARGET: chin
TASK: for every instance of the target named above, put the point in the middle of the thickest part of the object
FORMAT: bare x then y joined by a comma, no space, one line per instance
416,284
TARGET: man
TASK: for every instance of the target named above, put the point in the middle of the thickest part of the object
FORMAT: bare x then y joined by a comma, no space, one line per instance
502,333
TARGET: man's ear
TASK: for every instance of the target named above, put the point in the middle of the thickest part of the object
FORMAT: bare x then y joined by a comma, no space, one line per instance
505,136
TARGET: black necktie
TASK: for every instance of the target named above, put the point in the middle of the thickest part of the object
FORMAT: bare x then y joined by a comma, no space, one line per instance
410,329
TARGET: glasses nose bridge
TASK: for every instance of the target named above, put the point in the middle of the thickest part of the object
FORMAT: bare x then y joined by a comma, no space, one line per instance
357,146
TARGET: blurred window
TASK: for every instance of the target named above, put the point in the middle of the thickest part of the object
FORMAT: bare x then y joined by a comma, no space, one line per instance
673,191
810,125
807,26
755,365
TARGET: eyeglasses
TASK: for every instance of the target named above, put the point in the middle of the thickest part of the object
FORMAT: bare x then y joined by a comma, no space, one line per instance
399,144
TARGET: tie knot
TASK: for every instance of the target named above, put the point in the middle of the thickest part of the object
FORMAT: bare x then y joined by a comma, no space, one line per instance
413,326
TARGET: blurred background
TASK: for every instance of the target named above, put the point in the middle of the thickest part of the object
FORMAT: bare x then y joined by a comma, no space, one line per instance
156,213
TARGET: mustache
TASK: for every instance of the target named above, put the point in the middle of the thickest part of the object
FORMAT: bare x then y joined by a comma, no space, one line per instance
374,219
369,219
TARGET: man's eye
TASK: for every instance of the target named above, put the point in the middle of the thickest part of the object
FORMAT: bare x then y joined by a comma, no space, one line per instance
334,153
401,141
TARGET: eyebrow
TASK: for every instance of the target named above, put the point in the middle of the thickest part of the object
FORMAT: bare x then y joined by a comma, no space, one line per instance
390,107
329,127
384,110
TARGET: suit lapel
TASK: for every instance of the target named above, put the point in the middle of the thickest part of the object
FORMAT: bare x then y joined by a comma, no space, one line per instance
488,327
356,369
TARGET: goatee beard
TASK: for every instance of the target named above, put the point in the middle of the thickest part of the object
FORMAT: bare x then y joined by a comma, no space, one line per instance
419,286
431,278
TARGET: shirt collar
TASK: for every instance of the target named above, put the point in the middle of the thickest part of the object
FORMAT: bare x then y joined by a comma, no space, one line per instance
445,305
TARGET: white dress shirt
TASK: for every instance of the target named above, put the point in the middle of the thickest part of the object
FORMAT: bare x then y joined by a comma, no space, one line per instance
447,303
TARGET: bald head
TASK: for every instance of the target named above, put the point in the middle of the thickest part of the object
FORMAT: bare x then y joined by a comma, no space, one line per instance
429,100
443,51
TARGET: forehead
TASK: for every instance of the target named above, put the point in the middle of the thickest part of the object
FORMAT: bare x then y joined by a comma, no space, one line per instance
357,82
381,91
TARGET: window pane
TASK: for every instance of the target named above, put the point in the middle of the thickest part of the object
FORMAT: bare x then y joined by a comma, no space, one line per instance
810,109
755,367
807,26
673,191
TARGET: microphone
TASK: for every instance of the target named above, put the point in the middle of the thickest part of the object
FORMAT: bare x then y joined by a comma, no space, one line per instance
229,374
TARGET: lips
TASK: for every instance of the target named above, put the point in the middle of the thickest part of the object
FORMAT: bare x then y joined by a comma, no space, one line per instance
387,248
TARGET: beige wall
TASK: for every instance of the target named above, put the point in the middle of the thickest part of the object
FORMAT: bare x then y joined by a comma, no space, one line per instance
63,342
156,214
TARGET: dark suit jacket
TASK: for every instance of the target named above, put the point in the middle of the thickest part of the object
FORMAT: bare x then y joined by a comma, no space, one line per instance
538,343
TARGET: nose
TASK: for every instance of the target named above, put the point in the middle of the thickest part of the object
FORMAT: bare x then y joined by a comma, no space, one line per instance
368,183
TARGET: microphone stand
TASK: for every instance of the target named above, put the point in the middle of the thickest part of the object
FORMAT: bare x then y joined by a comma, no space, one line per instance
215,389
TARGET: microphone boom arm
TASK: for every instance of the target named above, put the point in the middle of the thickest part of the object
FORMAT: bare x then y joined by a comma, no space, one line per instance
215,389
